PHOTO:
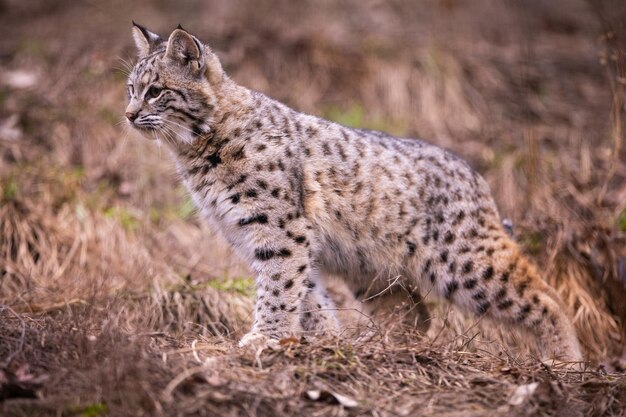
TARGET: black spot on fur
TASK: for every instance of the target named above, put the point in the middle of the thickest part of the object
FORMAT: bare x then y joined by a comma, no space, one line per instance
451,288
264,254
262,184
235,198
301,268
411,246
483,308
468,267
523,313
505,305
214,160
443,257
275,192
288,284
448,238
521,288
300,239
488,273
251,193
479,295
284,252
501,294
261,219
470,283
427,265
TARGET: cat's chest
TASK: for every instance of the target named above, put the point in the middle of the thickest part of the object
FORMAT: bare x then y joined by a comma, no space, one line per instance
214,199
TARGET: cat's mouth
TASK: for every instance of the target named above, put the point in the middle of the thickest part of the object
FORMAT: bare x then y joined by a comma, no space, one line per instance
149,132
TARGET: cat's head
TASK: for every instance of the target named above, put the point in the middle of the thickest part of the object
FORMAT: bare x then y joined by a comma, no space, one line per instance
173,88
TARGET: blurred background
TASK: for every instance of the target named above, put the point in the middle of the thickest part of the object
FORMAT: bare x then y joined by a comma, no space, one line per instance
96,233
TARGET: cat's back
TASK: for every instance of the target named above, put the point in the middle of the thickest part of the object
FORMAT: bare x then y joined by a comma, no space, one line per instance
363,171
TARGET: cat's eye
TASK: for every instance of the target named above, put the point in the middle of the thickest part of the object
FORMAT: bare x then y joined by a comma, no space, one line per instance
153,92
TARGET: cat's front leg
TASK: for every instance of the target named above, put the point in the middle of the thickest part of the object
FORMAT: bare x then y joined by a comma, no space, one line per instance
282,265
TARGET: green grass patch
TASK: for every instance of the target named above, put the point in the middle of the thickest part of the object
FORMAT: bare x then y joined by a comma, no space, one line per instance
621,221
356,117
240,285
91,410
186,209
9,189
32,47
128,220
533,242
95,410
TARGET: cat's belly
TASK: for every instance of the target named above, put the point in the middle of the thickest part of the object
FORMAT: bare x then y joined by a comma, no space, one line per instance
358,264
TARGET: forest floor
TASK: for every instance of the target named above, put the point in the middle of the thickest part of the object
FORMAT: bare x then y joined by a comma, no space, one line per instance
116,299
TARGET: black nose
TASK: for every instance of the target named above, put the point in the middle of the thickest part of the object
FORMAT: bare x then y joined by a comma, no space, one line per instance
131,116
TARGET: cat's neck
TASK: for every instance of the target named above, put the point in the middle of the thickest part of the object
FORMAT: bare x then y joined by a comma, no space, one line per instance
234,112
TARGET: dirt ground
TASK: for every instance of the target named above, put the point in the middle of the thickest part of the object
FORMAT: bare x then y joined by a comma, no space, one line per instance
116,299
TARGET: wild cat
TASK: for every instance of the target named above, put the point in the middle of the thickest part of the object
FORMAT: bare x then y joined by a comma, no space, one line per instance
297,196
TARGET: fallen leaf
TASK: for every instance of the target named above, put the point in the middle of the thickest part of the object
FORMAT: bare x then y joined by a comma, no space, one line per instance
291,340
331,398
10,129
20,78
522,393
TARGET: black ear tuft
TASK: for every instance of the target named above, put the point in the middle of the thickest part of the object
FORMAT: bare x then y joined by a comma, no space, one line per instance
180,27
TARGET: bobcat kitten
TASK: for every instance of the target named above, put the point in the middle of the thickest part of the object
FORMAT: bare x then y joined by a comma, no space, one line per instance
296,195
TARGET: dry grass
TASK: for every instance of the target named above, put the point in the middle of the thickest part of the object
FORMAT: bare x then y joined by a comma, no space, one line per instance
116,300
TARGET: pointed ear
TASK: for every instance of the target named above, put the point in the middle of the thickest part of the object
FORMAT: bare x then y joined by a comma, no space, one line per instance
184,49
145,40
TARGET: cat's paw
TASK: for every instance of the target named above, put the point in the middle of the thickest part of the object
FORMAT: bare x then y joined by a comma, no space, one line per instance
255,340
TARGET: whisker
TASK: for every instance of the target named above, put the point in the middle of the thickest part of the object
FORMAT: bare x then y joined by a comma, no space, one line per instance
181,126
124,71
